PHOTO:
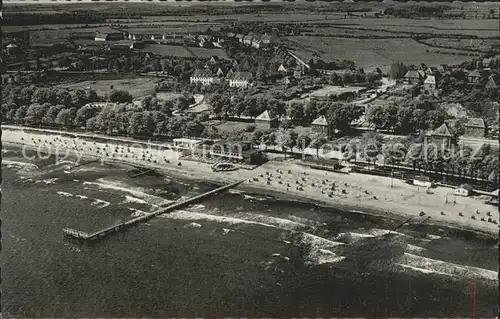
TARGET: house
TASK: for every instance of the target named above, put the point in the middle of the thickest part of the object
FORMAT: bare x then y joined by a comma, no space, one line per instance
422,181
298,72
202,76
320,125
413,77
463,190
219,73
491,85
265,120
247,39
431,71
440,136
213,60
240,37
235,151
240,79
12,49
185,143
286,80
486,62
282,68
475,127
473,76
266,39
229,73
109,36
494,194
430,83
256,43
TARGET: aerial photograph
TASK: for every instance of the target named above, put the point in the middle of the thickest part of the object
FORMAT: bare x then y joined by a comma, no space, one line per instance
278,159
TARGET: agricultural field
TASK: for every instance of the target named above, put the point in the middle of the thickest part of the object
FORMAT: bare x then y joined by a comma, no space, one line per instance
482,45
167,96
332,90
168,50
137,87
372,53
204,53
481,28
181,51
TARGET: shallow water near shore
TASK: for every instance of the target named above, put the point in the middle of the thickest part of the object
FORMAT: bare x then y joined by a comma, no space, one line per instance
235,254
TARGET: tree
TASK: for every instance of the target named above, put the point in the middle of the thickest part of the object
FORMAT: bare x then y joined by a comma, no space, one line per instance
340,115
84,114
397,70
310,111
181,103
303,140
136,124
283,139
193,128
20,114
295,111
64,118
119,96
371,146
36,112
53,111
317,141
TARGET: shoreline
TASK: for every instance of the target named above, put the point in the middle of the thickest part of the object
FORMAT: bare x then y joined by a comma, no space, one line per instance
201,172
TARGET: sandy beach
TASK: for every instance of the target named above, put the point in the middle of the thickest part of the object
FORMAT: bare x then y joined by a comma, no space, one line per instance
348,191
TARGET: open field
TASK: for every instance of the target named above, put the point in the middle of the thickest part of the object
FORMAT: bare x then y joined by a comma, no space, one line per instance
168,50
332,89
137,87
371,53
180,51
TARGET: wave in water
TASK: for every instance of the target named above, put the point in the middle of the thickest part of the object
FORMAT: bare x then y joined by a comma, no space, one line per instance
443,267
95,201
138,193
19,165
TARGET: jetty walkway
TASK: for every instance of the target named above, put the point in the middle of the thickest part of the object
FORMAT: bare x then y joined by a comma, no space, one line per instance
122,226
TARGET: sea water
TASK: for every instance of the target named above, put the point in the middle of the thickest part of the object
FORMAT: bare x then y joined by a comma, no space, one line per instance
233,255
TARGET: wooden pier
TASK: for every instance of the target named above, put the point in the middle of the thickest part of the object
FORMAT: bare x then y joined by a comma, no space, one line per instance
80,235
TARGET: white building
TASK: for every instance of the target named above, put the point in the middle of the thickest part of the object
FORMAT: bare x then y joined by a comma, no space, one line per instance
240,79
185,143
463,190
202,76
430,82
256,43
422,181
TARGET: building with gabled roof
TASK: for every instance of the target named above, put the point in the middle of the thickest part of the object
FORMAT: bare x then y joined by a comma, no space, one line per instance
473,76
430,82
109,35
440,136
203,76
266,39
413,77
282,68
219,72
266,120
475,127
321,125
491,84
256,43
248,39
240,79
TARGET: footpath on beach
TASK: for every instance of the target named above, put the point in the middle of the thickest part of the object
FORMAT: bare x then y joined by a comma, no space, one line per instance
349,191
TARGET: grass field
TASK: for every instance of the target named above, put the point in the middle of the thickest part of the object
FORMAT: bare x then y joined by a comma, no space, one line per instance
333,89
371,53
137,87
180,51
